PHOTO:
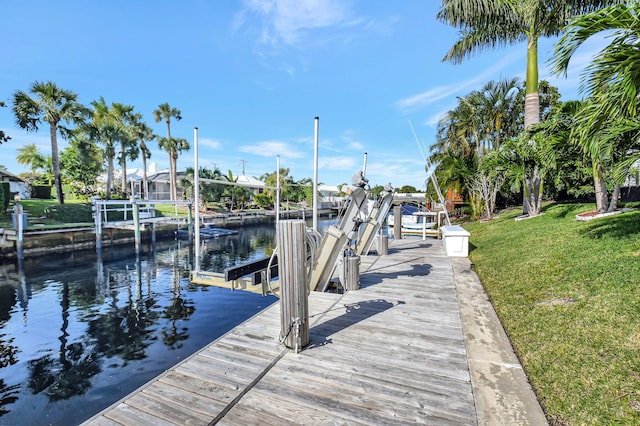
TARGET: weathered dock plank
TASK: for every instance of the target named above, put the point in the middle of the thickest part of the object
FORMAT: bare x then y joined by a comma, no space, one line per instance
390,353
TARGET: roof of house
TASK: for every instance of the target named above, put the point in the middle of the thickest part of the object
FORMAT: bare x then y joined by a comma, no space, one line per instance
6,176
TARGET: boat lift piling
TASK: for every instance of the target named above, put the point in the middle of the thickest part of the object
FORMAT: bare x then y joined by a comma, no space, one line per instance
397,222
294,288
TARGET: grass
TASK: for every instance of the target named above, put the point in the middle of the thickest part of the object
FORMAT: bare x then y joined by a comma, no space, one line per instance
568,295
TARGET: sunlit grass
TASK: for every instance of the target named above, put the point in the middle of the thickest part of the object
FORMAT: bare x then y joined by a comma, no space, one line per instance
568,294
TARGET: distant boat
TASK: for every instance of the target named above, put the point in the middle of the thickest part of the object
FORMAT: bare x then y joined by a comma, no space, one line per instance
208,231
411,222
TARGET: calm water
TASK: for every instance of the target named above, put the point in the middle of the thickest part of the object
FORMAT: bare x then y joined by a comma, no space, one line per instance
78,333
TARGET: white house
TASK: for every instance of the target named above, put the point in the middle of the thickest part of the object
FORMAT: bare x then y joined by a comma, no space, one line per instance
16,184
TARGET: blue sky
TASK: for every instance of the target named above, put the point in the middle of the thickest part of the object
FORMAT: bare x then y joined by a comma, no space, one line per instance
252,75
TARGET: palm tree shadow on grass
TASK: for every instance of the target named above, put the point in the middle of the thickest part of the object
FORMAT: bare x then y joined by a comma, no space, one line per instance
619,226
320,334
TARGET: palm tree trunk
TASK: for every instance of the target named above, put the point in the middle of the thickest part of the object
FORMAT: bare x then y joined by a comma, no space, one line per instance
601,188
143,151
55,162
109,177
174,172
123,165
613,203
532,182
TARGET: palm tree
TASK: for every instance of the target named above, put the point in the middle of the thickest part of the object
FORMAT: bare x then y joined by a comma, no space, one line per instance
166,112
174,147
53,106
608,128
124,116
108,126
490,23
30,155
143,134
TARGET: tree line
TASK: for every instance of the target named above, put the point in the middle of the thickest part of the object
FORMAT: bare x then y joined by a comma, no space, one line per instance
99,134
513,138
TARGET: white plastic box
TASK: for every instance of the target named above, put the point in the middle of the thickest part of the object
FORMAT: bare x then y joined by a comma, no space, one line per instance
456,241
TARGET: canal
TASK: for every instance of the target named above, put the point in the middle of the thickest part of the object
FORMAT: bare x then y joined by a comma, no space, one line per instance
78,332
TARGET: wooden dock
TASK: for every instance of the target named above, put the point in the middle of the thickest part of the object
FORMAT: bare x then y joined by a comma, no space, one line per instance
391,352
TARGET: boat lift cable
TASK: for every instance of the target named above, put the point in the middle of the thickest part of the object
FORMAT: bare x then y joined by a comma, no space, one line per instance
430,168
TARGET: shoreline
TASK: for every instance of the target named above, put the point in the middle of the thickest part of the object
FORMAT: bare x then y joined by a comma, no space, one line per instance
39,242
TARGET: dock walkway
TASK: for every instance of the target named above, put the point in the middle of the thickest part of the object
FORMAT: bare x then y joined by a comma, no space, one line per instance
392,352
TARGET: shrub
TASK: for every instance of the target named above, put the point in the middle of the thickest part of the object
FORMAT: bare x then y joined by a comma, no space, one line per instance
263,200
69,213
7,195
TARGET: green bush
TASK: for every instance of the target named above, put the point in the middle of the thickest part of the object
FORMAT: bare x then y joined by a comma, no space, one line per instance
7,196
69,213
263,200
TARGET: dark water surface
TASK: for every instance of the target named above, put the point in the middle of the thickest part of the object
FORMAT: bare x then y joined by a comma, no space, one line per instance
78,333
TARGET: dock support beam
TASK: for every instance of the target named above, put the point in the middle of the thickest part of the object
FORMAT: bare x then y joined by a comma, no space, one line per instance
397,222
136,225
19,222
294,288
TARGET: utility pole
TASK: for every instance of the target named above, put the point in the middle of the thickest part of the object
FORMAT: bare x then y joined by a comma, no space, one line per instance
243,163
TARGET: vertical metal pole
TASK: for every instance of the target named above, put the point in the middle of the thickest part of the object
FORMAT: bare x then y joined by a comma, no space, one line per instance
315,174
97,206
17,214
136,224
364,165
277,190
294,303
196,197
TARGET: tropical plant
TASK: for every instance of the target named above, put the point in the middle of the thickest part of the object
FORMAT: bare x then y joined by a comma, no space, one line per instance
174,147
476,128
30,155
143,134
209,192
108,127
490,23
82,162
3,136
165,113
608,127
54,106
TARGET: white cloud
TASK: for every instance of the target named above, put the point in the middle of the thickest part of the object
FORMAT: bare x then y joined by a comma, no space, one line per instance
272,149
337,163
209,143
437,93
288,21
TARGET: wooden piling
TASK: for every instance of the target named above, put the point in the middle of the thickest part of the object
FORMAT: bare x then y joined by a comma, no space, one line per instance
294,288
397,222
383,245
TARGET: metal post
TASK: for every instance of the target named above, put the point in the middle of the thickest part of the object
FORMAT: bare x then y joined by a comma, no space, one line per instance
277,190
196,197
315,174
190,223
136,223
97,210
383,245
18,218
351,272
397,222
294,289
364,165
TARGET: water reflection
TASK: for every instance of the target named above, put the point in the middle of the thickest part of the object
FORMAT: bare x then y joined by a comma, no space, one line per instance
78,332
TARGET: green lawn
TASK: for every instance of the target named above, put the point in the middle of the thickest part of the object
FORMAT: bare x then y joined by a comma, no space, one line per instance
568,295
